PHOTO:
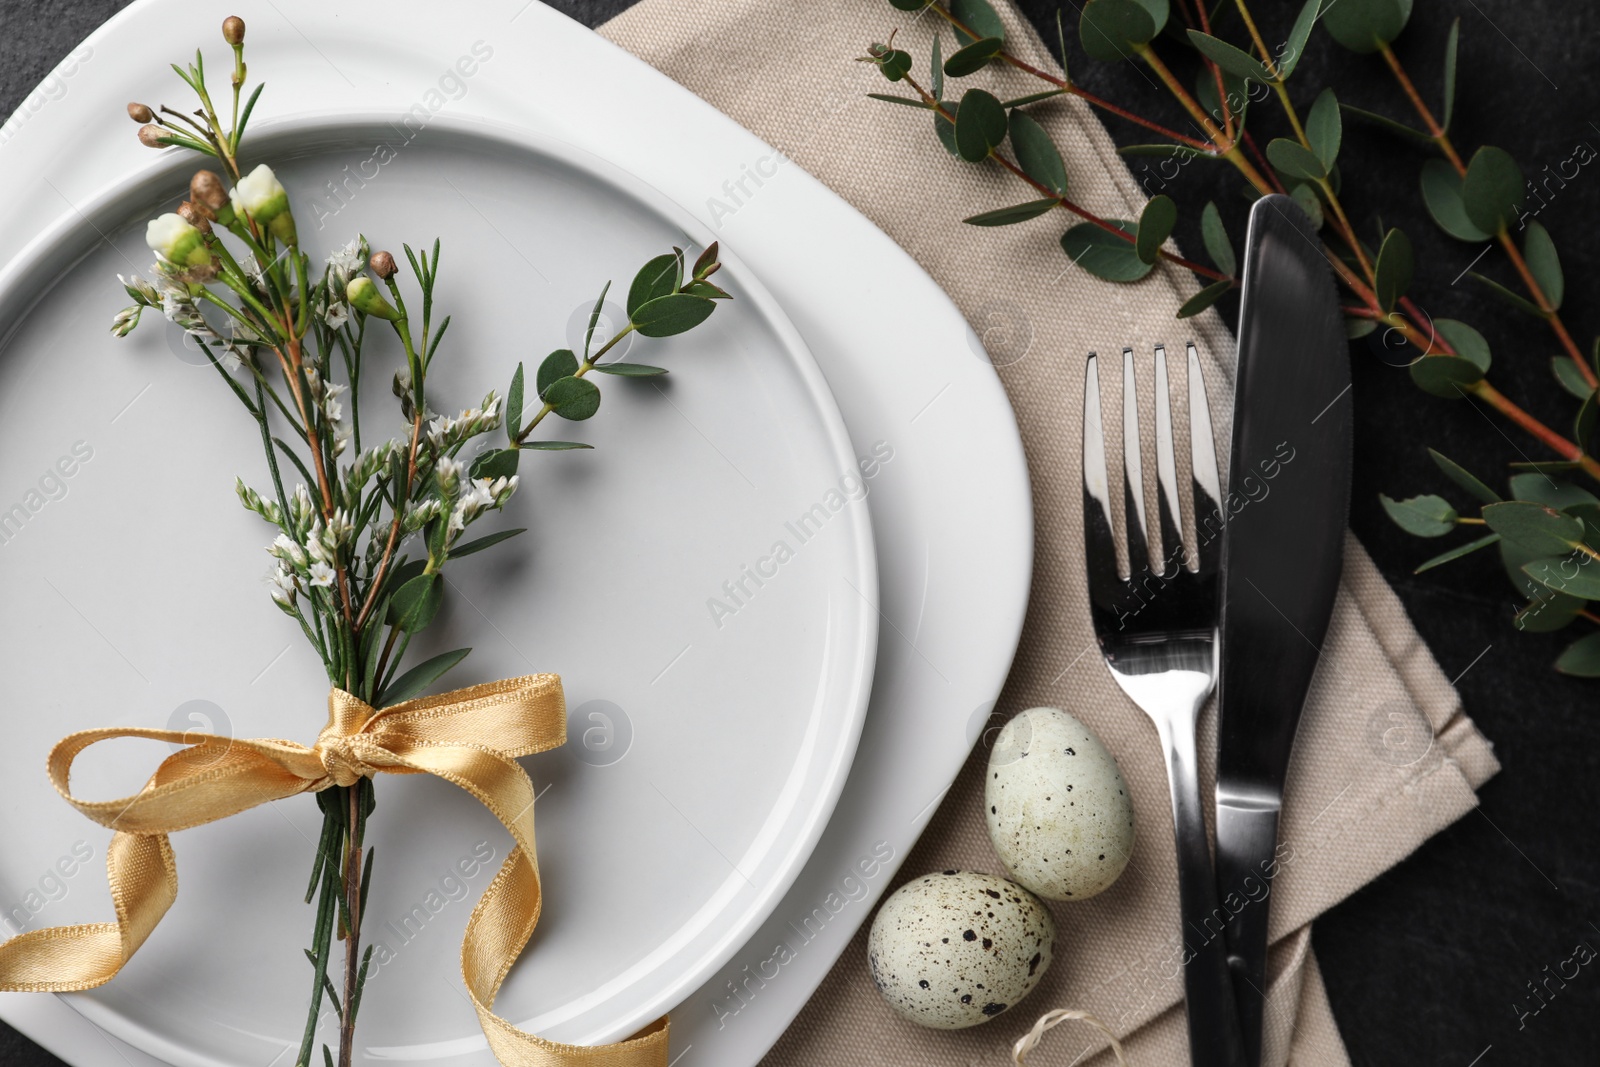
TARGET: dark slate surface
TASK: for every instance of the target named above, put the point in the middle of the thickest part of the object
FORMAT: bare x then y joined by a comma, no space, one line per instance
1434,962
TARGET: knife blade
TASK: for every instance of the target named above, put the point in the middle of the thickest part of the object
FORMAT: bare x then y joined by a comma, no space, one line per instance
1282,555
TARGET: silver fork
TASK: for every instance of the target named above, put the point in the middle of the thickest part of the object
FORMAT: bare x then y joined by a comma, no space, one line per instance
1157,629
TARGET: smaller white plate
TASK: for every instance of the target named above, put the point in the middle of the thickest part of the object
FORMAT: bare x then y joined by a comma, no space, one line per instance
703,581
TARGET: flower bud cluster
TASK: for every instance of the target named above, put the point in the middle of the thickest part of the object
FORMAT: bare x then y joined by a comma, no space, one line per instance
252,501
445,433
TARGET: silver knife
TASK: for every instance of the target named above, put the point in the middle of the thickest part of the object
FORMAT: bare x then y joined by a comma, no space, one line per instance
1283,548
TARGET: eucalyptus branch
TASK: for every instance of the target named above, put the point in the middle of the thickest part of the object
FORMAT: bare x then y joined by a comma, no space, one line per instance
1060,200
1441,138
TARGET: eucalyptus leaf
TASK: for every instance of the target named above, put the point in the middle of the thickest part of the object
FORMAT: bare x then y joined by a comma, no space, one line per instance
417,602
1422,516
1032,98
1467,342
1536,528
936,68
1441,194
973,58
1356,327
1295,160
1385,122
1364,25
1583,423
1573,574
1324,129
707,290
574,399
1204,299
557,365
1570,377
1231,59
1457,552
1393,270
1581,659
1543,262
672,314
906,101
1548,466
1492,191
980,17
1007,216
1181,152
553,446
494,463
481,543
981,125
594,317
1516,300
945,128
1451,46
658,277
1304,194
1215,238
416,681
1160,215
1551,492
894,63
513,421
1547,612
1205,91
1448,376
630,370
1114,29
1103,254
1294,47
1036,153
1464,478
1158,10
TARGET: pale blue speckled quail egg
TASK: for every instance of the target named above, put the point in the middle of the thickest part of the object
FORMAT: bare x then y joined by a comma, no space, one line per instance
1060,816
957,948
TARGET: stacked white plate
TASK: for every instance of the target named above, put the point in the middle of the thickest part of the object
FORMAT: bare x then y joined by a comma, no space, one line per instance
782,592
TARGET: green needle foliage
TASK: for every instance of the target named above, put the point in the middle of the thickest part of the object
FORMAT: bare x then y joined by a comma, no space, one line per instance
364,534
1548,529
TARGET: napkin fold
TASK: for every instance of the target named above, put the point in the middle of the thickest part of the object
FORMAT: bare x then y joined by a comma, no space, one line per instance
1385,756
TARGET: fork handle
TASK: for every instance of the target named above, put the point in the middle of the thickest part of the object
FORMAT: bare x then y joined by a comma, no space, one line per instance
1214,1035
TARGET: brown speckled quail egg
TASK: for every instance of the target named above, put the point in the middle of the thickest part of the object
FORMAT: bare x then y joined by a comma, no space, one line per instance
1059,812
957,948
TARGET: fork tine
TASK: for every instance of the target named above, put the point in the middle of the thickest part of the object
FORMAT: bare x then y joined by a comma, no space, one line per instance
1208,516
1099,545
1167,506
1133,472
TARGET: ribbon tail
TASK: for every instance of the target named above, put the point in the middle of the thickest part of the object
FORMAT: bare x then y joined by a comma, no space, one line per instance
62,959
500,926
505,916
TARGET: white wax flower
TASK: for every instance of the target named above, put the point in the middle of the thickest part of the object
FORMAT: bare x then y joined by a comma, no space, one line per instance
171,237
260,195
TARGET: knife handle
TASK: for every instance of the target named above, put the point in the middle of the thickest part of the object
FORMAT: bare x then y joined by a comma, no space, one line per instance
1214,1036
1247,837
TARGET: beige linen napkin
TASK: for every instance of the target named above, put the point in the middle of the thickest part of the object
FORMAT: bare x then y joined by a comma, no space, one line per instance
1385,756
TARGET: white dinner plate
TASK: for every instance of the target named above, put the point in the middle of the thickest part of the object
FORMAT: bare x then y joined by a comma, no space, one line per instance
949,506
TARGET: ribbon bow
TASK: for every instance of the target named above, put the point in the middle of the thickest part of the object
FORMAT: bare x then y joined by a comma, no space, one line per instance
470,737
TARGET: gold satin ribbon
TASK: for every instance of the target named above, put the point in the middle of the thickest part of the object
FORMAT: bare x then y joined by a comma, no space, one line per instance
471,737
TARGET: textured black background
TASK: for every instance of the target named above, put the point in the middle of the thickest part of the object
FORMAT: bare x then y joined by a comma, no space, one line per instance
1431,963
